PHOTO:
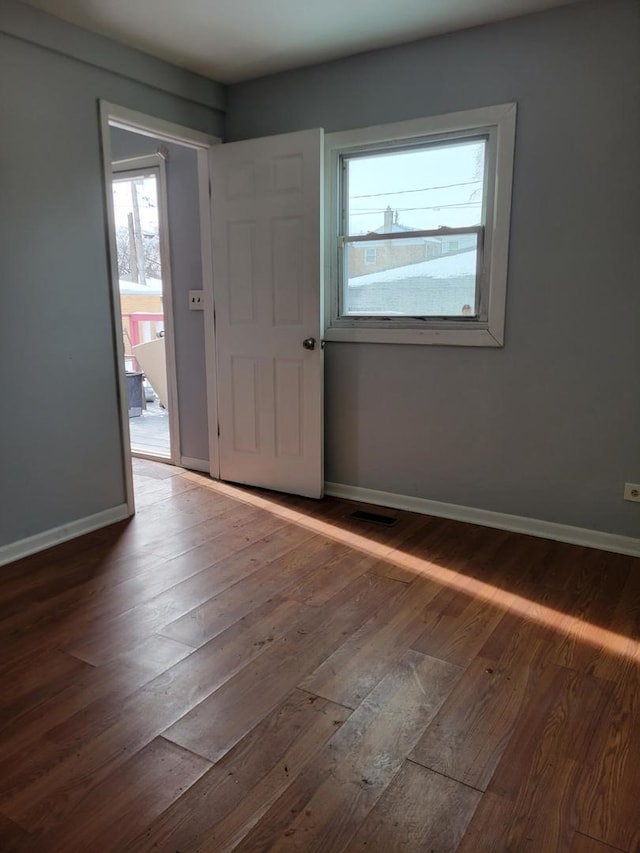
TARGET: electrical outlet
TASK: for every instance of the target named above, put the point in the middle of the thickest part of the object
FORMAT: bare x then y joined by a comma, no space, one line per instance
632,492
196,300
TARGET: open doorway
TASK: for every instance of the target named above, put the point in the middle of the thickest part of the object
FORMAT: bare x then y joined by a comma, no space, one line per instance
144,279
137,150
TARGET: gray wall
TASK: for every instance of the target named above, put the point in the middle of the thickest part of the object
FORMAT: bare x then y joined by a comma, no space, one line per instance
186,275
549,426
60,444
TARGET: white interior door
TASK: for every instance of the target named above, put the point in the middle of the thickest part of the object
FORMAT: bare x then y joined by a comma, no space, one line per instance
266,197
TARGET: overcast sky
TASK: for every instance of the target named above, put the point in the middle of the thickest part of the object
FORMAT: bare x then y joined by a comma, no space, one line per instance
429,188
147,203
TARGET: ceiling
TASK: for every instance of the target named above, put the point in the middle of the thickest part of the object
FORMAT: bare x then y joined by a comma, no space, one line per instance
234,40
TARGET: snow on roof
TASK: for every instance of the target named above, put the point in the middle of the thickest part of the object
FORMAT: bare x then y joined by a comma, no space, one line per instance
450,266
153,287
396,228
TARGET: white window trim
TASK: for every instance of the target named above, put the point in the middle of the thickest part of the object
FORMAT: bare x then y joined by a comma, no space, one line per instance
500,121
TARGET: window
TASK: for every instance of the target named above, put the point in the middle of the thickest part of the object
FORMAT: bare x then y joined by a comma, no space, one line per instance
434,195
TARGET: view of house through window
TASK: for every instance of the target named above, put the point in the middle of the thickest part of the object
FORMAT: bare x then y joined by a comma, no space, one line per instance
413,229
135,202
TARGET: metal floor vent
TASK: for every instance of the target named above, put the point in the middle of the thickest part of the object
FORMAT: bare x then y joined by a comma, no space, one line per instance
374,517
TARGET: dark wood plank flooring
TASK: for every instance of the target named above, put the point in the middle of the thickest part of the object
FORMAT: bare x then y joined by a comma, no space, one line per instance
239,670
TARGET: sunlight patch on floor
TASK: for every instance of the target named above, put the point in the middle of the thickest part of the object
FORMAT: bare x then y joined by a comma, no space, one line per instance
562,623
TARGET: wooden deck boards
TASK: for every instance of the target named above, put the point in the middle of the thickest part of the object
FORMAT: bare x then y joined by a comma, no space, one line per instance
239,670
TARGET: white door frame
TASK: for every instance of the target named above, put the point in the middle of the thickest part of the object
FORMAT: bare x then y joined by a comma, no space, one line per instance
112,115
154,164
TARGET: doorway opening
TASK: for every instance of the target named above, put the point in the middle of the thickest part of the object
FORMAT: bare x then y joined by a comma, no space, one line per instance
151,167
143,276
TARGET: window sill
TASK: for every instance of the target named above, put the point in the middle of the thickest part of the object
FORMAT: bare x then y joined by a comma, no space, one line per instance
468,337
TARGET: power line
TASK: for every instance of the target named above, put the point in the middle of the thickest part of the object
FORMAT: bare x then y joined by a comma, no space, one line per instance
419,190
378,210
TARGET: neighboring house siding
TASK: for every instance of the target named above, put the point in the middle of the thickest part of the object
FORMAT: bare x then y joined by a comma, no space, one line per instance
397,253
389,254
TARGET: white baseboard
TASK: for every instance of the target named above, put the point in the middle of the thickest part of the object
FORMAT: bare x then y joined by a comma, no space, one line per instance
487,518
194,464
41,541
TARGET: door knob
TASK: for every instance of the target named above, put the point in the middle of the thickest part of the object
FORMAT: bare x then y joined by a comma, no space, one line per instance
309,343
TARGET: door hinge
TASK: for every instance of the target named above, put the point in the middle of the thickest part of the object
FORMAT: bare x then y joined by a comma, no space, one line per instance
218,430
209,187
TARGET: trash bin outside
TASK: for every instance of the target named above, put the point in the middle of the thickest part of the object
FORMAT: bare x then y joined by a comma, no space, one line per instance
135,393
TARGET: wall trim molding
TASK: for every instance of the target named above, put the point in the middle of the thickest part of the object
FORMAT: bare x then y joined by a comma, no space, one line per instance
487,518
48,538
44,30
194,464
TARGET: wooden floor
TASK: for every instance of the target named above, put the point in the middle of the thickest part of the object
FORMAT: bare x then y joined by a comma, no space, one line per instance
234,670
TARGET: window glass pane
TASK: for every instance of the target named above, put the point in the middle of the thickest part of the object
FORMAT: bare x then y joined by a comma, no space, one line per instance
424,188
422,277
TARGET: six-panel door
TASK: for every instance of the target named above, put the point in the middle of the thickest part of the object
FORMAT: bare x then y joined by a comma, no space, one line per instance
267,272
